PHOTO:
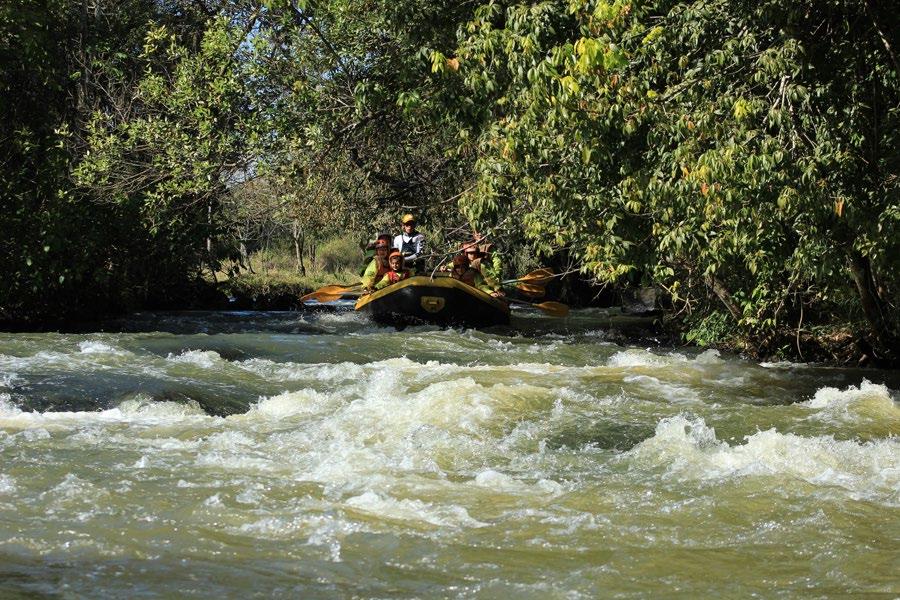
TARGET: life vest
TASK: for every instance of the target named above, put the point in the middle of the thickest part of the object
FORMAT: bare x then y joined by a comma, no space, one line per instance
408,243
468,277
381,270
395,276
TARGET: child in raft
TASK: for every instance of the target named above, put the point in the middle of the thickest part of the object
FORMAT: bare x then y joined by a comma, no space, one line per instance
398,272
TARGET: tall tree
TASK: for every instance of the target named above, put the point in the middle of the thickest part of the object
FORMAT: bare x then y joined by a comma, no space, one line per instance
742,152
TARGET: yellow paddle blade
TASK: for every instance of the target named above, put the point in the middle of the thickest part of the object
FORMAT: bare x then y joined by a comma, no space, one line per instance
531,290
330,297
542,276
554,309
328,291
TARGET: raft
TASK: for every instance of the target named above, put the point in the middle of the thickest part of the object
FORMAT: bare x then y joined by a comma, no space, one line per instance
440,300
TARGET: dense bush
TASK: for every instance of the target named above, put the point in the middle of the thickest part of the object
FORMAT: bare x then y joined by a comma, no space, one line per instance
743,155
339,254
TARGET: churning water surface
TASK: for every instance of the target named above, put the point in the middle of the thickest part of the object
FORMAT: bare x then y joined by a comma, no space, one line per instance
319,455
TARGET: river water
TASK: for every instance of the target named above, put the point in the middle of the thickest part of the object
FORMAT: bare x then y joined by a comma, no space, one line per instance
319,455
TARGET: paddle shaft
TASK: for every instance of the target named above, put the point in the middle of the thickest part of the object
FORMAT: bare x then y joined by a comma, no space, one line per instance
554,309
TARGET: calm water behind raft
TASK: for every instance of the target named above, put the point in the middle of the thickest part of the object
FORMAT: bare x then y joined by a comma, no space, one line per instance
298,455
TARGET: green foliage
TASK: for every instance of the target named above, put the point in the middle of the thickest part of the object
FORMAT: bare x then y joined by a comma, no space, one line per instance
62,253
339,254
741,155
712,329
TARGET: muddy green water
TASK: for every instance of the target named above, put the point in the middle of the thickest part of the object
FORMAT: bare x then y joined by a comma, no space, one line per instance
320,456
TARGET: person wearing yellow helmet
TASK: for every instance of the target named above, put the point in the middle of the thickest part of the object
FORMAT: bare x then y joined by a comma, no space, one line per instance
411,243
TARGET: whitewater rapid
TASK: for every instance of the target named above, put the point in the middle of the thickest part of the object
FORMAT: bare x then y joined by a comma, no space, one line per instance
327,456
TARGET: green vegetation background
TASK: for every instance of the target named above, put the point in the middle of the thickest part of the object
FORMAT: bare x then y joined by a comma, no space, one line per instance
740,157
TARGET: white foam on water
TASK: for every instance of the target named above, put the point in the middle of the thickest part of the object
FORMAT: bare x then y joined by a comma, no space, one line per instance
501,482
214,501
408,510
678,394
73,490
136,411
602,334
331,372
781,364
634,357
7,408
329,531
270,527
289,404
495,480
146,410
98,347
688,448
250,495
206,359
360,435
342,318
868,400
326,531
7,484
709,357
237,451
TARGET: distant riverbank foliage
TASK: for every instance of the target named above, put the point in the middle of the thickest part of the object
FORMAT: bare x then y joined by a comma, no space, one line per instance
743,157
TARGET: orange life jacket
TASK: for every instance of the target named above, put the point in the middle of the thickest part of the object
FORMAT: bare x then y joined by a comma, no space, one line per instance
395,276
383,269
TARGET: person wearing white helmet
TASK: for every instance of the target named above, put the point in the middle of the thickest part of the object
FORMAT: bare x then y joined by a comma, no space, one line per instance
411,243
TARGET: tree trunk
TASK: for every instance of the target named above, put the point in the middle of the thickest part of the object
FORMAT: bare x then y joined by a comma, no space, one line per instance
872,304
245,257
724,296
297,235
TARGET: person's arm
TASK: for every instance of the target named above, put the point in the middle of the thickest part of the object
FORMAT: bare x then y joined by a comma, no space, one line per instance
418,241
368,278
491,269
480,283
383,283
398,242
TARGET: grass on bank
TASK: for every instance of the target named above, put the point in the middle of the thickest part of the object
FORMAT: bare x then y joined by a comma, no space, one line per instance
274,272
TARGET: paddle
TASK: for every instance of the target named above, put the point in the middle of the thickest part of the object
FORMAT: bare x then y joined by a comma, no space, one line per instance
551,308
529,289
531,284
541,277
322,298
330,292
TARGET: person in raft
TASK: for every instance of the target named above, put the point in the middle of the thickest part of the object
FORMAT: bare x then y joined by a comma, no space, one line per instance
463,271
489,262
411,243
369,251
398,270
378,267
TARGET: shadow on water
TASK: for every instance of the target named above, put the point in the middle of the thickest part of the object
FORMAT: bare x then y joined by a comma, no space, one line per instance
606,435
82,397
339,317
